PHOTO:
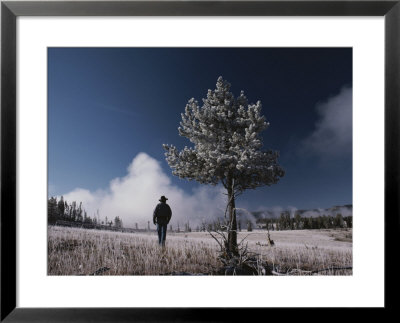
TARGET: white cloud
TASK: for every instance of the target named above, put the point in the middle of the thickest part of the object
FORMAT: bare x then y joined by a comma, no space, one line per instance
134,196
333,130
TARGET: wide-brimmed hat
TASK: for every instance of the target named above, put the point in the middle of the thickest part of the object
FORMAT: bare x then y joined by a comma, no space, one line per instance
163,199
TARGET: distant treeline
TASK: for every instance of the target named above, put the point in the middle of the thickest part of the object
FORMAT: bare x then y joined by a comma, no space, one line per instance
61,211
286,222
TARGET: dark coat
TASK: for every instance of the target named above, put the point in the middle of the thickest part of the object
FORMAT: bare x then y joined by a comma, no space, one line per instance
162,213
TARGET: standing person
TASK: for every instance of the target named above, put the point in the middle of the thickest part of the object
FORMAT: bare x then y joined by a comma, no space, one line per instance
161,216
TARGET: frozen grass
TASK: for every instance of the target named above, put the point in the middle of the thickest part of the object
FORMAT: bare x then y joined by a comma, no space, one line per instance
73,251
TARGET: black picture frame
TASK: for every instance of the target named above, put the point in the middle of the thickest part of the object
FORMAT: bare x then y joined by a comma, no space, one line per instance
10,10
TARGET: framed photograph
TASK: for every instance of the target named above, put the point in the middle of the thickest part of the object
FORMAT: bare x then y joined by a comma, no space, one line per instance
162,159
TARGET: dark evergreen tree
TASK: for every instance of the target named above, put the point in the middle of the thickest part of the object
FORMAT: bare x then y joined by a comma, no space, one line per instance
52,210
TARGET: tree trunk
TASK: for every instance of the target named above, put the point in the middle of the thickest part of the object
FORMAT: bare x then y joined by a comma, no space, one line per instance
232,228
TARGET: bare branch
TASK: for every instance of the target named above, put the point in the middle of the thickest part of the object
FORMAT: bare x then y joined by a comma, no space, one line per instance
243,239
219,243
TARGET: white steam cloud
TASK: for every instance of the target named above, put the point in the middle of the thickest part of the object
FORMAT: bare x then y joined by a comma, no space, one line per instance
333,131
134,197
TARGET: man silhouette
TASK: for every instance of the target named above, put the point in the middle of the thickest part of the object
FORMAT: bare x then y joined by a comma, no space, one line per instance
161,217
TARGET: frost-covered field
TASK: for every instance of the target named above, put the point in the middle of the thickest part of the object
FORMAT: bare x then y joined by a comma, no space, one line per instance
73,251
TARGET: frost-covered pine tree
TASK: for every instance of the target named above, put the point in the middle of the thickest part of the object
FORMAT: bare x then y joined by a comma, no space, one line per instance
225,132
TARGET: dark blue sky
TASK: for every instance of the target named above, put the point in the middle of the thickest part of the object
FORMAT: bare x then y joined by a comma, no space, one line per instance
108,104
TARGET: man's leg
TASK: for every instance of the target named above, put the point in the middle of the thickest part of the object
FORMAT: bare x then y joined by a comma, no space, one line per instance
164,236
159,231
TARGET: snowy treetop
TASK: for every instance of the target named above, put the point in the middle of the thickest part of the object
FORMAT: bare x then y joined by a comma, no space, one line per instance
225,132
